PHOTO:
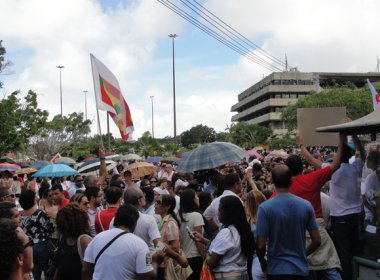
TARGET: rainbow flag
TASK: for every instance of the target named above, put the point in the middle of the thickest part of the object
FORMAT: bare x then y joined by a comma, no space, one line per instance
109,98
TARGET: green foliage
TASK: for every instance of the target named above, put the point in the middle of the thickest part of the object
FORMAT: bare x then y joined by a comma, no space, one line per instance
198,135
357,101
4,65
248,135
282,142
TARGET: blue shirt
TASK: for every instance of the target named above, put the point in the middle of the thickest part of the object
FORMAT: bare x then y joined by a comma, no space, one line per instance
284,221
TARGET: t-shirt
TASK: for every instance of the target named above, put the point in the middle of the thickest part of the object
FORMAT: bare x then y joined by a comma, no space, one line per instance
371,189
123,259
227,243
284,221
192,219
106,217
345,192
308,187
64,203
146,228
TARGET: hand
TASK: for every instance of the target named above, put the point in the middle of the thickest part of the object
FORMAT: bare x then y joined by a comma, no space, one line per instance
102,153
299,138
198,237
182,261
249,173
158,257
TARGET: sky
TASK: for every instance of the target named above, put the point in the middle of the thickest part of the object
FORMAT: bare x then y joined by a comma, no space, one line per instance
131,39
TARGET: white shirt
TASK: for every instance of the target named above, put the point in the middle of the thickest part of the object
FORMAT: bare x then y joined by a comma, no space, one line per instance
74,189
227,243
91,214
123,259
192,219
212,210
147,229
371,188
345,193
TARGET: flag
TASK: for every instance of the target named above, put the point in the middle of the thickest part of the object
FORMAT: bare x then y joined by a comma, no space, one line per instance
375,96
55,158
109,98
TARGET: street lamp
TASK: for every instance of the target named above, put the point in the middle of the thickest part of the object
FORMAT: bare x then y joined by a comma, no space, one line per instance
60,85
173,36
151,98
85,103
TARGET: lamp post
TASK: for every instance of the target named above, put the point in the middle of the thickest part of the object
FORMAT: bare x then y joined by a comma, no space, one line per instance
151,99
173,36
85,103
60,85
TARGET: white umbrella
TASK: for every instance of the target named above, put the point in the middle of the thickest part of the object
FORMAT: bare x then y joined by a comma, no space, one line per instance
130,157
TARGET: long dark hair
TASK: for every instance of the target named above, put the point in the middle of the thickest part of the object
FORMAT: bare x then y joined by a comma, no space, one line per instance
168,200
72,221
233,214
187,203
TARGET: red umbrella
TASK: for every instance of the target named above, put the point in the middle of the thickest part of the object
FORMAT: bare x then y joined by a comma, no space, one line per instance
278,153
253,153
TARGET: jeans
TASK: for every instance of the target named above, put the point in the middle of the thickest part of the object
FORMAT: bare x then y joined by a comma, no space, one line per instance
327,274
41,253
347,237
196,264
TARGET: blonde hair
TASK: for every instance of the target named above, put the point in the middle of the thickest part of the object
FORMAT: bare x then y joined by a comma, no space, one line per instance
252,202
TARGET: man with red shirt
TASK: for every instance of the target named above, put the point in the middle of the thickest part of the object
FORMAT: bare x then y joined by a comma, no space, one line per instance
58,196
324,260
104,217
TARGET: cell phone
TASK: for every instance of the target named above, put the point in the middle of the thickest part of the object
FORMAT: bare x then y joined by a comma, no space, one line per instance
160,246
190,232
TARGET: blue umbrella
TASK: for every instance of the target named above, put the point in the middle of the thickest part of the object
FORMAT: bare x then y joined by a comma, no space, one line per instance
55,170
210,155
153,159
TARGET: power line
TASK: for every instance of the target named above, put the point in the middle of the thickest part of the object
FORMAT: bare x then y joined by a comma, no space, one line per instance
224,41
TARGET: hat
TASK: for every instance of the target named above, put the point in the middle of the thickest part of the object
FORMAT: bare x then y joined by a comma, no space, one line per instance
160,191
179,182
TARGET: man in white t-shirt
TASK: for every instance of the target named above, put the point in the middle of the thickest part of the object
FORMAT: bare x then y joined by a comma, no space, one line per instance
146,227
127,257
233,187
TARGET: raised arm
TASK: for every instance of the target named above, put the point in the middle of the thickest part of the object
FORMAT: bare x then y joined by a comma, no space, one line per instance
337,160
359,147
316,163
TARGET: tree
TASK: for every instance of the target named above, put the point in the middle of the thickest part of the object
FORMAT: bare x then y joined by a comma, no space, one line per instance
147,145
60,134
357,101
4,64
248,135
282,142
198,135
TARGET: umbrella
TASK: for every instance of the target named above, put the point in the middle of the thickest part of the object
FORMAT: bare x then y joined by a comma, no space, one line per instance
140,169
39,164
130,157
210,155
278,153
183,154
153,159
170,159
6,159
55,170
26,170
9,167
23,164
253,153
92,167
66,160
113,157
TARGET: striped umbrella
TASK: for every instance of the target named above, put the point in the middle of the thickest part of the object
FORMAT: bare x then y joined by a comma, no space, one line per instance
210,155
7,159
9,167
55,170
26,170
92,167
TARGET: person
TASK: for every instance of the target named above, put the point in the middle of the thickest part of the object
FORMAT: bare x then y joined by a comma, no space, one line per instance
232,249
95,197
78,179
73,226
234,188
168,172
191,220
39,228
253,200
282,222
153,181
58,196
346,208
13,248
90,181
103,218
128,180
9,210
81,199
169,187
6,194
126,257
168,226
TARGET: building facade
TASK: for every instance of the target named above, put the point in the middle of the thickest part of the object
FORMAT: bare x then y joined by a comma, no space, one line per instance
262,102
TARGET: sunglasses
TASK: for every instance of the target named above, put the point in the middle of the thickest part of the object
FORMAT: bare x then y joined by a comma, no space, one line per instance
153,181
29,244
159,202
79,181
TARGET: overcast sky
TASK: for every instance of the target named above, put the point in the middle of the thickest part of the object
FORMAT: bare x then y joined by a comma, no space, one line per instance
131,38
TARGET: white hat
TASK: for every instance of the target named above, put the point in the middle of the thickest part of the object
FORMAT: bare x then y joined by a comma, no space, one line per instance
160,191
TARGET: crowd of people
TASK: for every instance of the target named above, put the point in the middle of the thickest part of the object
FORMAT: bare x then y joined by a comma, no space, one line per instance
303,216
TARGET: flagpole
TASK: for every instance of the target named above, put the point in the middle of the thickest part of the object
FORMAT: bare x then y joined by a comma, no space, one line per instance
108,132
96,103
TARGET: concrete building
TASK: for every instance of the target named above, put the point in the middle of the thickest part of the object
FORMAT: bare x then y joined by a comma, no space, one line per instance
262,102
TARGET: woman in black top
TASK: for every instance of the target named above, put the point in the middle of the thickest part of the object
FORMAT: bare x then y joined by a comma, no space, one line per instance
73,227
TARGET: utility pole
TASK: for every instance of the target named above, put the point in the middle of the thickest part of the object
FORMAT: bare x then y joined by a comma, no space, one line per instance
60,85
85,103
151,99
173,36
